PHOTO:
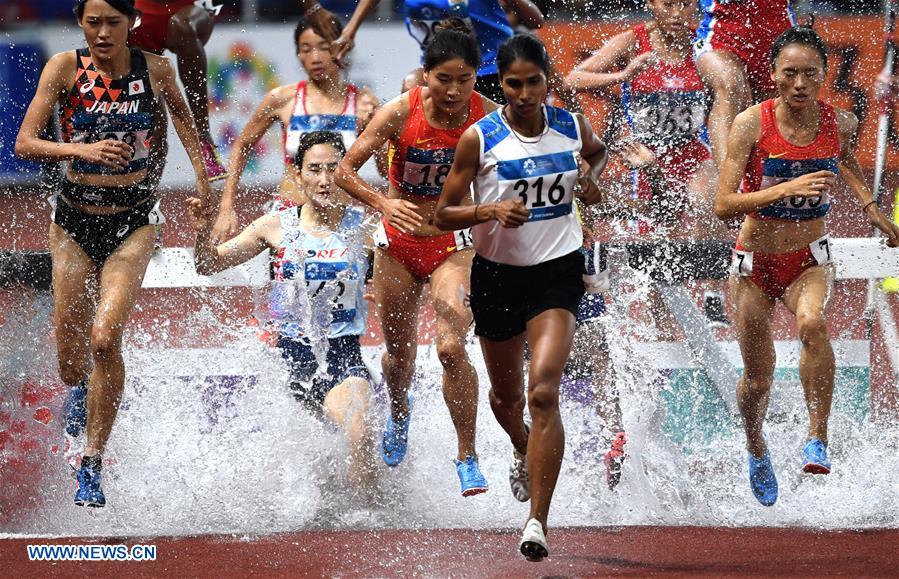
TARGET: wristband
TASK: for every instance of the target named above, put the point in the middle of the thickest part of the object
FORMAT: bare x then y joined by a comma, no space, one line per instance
312,10
868,204
476,207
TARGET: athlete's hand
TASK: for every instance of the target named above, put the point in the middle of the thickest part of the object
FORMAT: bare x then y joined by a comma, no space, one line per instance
199,216
511,213
109,153
809,185
225,226
636,155
889,229
401,214
637,64
341,47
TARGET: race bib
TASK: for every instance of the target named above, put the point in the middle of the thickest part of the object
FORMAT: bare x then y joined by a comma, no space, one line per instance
463,239
425,170
668,116
820,249
545,184
741,262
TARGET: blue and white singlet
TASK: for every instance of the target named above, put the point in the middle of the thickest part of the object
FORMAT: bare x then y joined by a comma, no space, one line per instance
540,171
334,264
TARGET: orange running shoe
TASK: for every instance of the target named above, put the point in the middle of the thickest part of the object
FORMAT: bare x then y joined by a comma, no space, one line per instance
614,459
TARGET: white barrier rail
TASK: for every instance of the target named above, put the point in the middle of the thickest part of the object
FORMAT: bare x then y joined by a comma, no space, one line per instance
855,258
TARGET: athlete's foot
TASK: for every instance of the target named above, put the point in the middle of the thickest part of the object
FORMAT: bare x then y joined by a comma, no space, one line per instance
713,304
214,168
533,541
518,477
614,460
396,438
89,493
762,479
815,457
75,409
470,477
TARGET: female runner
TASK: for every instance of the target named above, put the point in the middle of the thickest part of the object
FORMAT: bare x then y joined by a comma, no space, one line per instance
324,102
527,163
101,235
423,127
321,244
787,152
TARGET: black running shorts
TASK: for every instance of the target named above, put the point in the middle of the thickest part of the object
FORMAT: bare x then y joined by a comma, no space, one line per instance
505,297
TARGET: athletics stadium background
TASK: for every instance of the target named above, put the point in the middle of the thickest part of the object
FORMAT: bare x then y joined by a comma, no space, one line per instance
183,331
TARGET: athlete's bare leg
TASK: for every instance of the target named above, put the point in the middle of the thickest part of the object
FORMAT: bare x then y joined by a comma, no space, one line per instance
754,311
550,335
726,75
347,406
449,288
505,368
398,294
120,282
189,30
807,298
75,279
591,344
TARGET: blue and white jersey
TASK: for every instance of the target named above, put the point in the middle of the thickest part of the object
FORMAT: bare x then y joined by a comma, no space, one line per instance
542,172
333,266
485,17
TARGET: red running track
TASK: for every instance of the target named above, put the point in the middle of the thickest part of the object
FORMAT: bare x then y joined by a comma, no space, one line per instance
678,551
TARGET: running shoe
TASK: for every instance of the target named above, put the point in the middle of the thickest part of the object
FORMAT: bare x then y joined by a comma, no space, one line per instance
518,477
473,482
214,168
533,541
815,455
713,304
614,460
762,479
75,409
396,438
89,493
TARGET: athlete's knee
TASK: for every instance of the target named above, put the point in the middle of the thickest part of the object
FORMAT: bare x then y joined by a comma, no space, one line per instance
511,400
543,399
399,364
106,342
812,328
451,352
757,378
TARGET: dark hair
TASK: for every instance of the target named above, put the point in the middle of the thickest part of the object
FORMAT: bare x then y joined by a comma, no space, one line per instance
525,47
126,7
451,43
304,23
309,140
799,35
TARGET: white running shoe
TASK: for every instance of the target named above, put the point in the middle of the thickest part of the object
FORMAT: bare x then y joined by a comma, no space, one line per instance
518,477
533,541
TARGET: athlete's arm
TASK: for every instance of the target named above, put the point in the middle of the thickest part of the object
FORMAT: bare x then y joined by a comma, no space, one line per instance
595,155
452,213
183,122
54,83
608,67
528,13
851,171
263,118
210,258
343,45
366,107
729,202
385,125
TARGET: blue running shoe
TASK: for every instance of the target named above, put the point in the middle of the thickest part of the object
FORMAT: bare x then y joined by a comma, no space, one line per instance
89,493
396,438
815,455
473,482
762,479
75,409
